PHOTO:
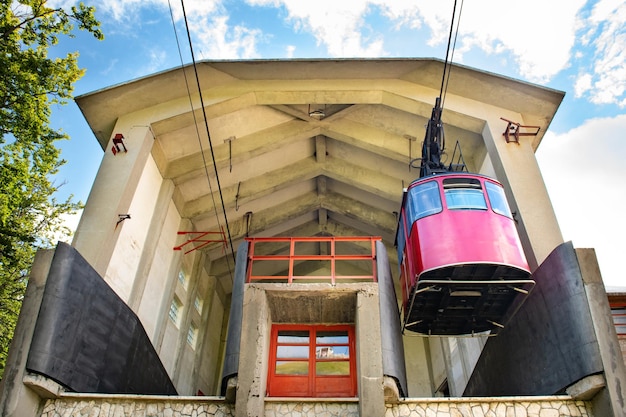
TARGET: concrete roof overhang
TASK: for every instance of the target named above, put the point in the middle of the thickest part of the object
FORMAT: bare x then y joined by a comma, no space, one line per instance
342,174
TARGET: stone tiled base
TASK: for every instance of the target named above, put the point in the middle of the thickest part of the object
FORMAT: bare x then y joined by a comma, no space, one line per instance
317,409
88,405
483,407
136,406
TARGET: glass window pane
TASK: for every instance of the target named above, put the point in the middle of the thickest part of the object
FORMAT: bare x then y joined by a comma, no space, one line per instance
322,352
459,199
293,336
332,368
497,198
400,239
292,368
292,352
336,336
424,200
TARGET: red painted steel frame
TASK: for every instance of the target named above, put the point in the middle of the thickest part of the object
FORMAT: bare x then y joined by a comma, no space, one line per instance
292,258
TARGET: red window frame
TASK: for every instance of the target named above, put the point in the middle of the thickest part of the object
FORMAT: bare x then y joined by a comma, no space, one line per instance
311,384
617,309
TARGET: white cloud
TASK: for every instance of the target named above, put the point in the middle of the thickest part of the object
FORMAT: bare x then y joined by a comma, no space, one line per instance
605,77
584,172
212,35
583,84
338,25
217,40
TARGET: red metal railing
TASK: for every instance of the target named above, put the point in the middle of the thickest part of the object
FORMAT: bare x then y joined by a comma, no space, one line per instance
312,259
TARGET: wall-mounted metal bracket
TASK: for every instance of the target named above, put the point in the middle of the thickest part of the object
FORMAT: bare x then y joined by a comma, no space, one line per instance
513,133
203,238
230,152
118,140
411,139
121,218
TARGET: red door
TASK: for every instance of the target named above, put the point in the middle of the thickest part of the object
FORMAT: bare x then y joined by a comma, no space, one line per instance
312,361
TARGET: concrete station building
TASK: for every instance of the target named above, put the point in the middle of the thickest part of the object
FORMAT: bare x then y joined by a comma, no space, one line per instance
151,310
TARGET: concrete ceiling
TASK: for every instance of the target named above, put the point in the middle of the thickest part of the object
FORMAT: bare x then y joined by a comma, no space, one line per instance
284,172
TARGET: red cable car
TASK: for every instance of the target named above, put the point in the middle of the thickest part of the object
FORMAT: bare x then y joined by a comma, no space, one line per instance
462,266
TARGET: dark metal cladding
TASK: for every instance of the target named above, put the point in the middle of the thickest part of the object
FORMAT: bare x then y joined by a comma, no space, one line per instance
390,323
549,344
87,339
235,318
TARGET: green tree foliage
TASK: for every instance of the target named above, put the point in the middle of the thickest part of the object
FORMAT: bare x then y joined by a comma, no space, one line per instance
30,83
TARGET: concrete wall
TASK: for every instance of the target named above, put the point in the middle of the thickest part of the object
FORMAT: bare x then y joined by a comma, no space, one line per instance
209,367
137,259
152,288
265,304
419,372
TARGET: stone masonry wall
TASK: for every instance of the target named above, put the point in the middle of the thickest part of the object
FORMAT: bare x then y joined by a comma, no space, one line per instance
136,406
88,405
556,406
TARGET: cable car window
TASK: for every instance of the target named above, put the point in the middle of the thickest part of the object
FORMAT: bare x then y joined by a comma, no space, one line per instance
464,194
424,200
497,199
400,238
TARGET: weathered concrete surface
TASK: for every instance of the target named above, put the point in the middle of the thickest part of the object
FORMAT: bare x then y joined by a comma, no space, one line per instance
614,368
369,353
254,353
16,399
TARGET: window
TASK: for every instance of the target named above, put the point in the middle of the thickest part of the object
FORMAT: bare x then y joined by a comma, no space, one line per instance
400,238
192,335
197,303
464,194
424,200
182,278
312,361
175,310
619,319
497,199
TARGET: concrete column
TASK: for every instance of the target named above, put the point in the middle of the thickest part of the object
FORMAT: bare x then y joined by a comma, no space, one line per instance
254,354
419,372
610,352
369,354
111,194
517,169
151,244
16,399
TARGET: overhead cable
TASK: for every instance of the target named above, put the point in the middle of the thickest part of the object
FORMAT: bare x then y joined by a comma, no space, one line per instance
205,165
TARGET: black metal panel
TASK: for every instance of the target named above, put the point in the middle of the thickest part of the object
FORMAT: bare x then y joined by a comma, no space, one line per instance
231,359
549,344
87,339
390,324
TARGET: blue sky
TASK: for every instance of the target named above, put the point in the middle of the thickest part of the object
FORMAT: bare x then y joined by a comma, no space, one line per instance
575,46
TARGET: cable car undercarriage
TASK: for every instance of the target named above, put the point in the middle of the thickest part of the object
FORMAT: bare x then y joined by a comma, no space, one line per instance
440,304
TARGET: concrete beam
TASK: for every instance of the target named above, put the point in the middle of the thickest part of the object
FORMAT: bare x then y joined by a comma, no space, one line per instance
248,146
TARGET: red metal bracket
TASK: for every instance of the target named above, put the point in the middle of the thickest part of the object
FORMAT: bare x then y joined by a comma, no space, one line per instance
117,141
513,129
201,237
